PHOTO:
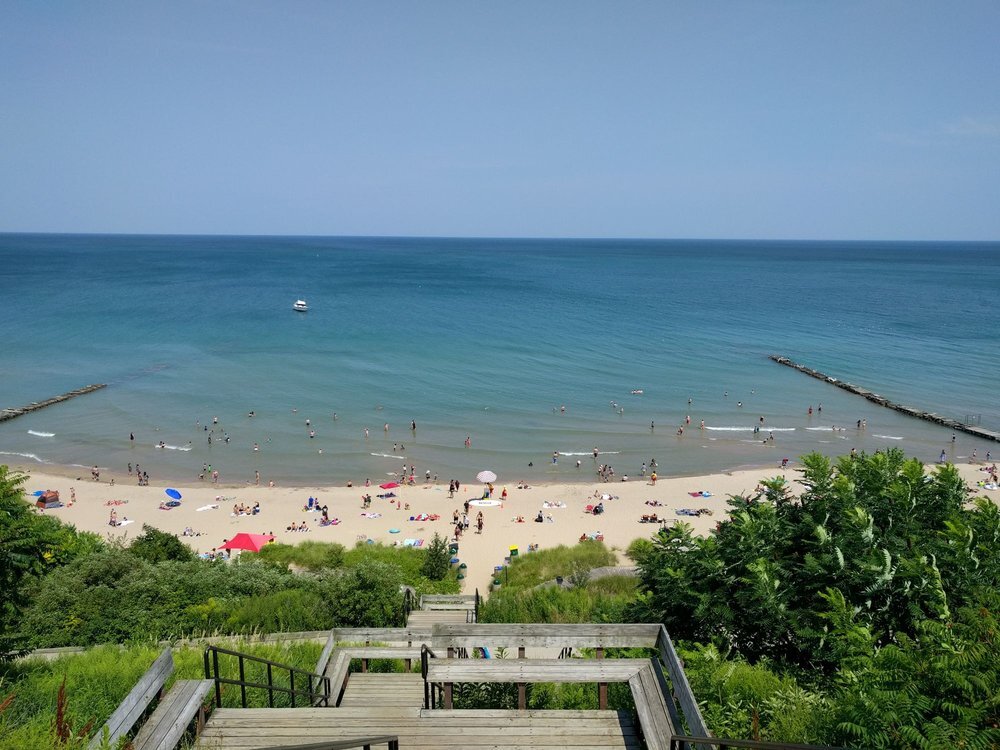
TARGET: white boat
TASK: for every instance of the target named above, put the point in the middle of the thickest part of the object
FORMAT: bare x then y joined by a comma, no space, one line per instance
300,306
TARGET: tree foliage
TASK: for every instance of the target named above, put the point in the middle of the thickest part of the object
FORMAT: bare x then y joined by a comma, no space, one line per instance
437,559
873,542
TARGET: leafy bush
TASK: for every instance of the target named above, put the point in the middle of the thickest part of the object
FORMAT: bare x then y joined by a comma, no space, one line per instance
156,546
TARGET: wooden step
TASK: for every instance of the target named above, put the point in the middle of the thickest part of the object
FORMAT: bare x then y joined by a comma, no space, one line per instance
388,689
420,617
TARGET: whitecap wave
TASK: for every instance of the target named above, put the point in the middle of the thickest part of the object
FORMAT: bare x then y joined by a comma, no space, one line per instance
173,447
750,429
32,456
588,453
388,455
888,437
820,429
41,434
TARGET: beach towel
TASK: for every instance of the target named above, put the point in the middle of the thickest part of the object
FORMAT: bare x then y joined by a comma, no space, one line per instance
409,542
559,504
372,515
387,495
700,494
589,509
126,522
207,507
419,543
330,522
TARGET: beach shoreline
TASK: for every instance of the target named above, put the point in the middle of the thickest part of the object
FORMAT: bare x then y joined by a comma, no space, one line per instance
207,509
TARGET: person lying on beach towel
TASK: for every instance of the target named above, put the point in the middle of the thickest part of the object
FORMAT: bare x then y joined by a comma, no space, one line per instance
654,503
702,493
387,495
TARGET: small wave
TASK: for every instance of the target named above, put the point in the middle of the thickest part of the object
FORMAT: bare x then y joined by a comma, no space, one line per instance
388,455
32,456
589,453
41,434
750,429
820,429
888,437
173,447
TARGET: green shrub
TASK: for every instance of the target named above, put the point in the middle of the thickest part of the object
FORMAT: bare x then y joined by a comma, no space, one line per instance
156,546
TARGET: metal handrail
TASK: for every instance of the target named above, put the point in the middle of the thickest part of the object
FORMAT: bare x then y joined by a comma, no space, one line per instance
407,603
317,690
391,740
678,742
432,690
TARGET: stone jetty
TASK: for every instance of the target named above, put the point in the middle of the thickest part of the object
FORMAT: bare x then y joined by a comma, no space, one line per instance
6,414
951,424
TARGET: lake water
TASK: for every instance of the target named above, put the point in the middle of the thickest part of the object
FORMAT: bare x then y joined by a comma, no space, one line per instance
488,339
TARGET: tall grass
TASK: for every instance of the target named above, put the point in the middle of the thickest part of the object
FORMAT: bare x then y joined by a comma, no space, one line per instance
98,679
531,569
521,598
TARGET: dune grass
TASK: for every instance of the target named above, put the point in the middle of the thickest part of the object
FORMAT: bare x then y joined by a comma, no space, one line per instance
98,679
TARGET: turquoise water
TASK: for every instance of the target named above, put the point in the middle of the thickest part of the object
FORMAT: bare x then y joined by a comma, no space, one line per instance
487,339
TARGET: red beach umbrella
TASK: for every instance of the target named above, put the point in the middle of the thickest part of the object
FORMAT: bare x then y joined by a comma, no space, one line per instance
389,485
249,542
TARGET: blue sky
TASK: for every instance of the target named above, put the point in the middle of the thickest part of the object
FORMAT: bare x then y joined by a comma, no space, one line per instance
814,120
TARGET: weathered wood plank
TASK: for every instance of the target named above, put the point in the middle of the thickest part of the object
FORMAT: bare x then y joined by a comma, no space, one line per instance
533,670
165,727
681,687
324,656
512,635
138,698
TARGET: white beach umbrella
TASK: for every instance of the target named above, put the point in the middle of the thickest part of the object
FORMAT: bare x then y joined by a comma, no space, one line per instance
486,476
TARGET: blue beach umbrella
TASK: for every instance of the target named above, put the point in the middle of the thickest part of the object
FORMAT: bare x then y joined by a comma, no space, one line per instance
38,493
171,492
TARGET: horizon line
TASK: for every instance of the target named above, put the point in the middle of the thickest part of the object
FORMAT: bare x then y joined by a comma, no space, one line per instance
548,238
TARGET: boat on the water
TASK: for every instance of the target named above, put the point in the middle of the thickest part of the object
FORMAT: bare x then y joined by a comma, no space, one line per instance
300,306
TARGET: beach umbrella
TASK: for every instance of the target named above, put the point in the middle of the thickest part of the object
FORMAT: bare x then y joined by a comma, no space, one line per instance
486,477
389,485
249,542
38,493
171,492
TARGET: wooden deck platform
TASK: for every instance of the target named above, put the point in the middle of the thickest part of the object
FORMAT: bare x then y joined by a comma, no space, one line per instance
245,729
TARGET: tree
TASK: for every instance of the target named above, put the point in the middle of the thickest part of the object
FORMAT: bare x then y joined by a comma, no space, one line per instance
896,543
437,559
27,544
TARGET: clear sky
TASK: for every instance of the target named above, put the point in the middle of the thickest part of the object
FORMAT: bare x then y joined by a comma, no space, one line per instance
797,119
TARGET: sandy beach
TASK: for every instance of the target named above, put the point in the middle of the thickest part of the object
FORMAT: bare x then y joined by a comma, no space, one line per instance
207,509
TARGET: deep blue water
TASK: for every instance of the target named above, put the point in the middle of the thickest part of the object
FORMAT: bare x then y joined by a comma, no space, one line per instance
486,338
